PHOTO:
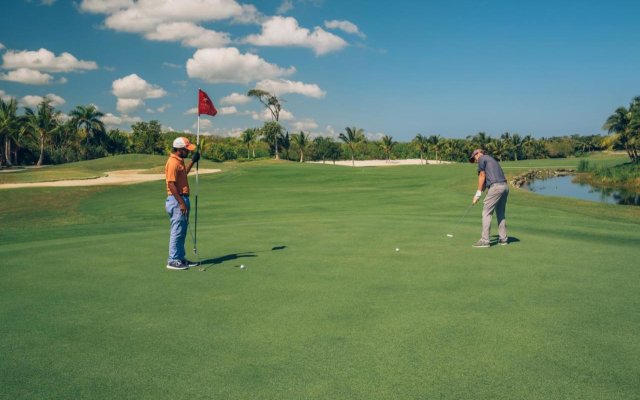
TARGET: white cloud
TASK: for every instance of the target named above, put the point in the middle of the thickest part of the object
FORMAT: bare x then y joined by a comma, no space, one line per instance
189,34
249,15
47,2
128,105
285,6
27,76
104,6
283,86
265,115
285,31
191,111
112,120
134,87
144,15
304,125
204,124
34,101
228,110
5,96
228,65
62,117
345,26
160,109
235,99
221,132
2,47
45,60
374,136
171,65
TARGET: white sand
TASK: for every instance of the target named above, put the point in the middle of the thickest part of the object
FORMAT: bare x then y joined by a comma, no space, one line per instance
382,163
123,177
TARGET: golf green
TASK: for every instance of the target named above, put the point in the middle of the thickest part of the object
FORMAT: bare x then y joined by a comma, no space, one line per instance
325,308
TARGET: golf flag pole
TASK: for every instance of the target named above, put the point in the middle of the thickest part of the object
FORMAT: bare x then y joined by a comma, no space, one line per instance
195,227
205,106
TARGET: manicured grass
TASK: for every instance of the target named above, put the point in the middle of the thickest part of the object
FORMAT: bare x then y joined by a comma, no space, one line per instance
325,308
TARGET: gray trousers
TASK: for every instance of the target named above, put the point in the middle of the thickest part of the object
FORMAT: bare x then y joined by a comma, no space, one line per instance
496,199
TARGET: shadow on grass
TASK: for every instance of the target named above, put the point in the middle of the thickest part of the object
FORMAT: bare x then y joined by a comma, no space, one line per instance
510,240
206,264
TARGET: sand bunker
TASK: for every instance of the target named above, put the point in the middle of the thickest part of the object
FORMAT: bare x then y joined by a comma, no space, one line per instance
123,177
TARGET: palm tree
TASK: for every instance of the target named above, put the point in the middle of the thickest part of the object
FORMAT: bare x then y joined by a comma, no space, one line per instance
387,145
323,146
87,119
248,139
352,137
301,140
272,103
435,143
422,144
41,123
285,142
479,140
506,144
625,123
272,132
528,146
9,129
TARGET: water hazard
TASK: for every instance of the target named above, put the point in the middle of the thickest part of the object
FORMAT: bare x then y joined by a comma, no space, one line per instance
565,187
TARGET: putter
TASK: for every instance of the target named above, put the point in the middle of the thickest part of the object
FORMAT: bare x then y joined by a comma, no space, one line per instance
460,220
195,250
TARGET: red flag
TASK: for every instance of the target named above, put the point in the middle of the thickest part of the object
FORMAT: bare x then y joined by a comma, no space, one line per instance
205,105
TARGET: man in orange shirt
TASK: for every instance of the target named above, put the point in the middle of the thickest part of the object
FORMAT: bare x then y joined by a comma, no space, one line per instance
177,203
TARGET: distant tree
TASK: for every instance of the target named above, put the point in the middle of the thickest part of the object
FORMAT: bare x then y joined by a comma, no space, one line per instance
146,138
422,144
118,142
351,138
479,140
301,140
9,128
625,123
387,145
41,123
87,119
435,142
272,103
248,138
271,133
285,143
323,146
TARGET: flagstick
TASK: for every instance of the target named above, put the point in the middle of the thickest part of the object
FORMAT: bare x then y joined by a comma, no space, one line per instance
195,229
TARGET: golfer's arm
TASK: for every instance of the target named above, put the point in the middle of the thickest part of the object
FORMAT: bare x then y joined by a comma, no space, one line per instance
481,179
174,191
189,167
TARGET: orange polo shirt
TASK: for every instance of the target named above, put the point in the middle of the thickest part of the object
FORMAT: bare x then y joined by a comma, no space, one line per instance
175,171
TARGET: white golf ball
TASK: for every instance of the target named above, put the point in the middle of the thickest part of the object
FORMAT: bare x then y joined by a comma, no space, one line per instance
397,249
242,266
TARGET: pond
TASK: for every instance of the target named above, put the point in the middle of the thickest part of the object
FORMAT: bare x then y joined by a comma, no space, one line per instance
565,187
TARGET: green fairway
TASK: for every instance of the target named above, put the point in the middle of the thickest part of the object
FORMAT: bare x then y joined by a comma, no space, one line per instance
325,308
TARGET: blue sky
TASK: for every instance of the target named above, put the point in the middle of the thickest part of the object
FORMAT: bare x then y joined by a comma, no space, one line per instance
452,68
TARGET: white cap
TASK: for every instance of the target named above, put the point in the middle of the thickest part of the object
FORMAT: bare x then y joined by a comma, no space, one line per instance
183,142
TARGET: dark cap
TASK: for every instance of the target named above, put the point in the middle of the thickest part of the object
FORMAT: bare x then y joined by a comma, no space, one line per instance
473,155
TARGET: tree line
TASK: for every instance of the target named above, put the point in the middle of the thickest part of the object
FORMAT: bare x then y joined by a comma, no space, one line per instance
44,136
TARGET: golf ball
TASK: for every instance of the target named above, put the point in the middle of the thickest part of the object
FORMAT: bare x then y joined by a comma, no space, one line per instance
397,249
242,266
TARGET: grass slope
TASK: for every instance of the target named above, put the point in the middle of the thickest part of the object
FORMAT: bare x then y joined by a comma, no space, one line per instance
88,310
